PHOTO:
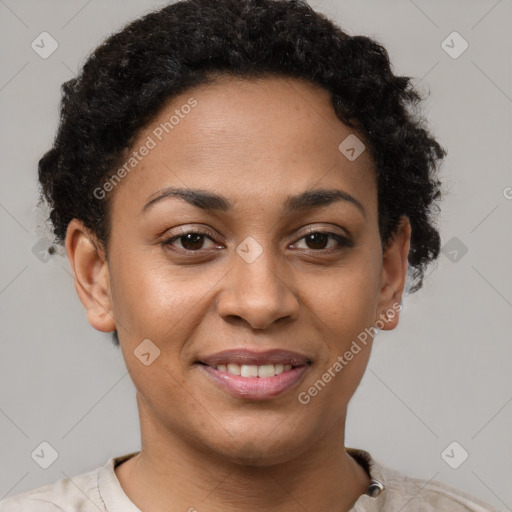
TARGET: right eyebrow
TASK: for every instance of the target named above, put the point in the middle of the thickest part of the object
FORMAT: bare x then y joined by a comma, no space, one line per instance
199,198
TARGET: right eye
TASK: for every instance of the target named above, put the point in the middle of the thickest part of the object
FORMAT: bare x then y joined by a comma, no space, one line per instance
191,241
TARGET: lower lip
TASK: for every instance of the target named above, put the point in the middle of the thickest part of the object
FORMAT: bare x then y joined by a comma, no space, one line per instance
256,388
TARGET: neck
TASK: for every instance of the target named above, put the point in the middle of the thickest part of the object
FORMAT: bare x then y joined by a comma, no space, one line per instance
168,470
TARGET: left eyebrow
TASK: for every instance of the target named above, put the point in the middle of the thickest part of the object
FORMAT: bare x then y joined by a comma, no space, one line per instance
318,198
209,201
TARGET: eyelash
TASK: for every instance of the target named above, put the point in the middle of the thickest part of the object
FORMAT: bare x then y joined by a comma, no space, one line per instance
343,242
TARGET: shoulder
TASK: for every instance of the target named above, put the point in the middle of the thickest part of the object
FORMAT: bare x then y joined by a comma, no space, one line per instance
415,494
407,494
76,494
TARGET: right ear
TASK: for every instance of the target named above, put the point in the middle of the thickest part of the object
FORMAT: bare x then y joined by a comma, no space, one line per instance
91,274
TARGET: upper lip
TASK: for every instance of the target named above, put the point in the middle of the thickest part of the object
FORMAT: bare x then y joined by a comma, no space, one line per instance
250,357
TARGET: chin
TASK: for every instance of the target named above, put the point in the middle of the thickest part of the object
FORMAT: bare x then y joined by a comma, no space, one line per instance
257,448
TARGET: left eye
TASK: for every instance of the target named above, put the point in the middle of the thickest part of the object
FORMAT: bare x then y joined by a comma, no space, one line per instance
320,237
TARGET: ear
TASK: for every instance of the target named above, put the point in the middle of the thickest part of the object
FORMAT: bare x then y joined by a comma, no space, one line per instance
394,273
91,274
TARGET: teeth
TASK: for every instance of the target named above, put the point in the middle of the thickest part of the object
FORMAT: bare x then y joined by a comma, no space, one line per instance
250,370
267,370
234,369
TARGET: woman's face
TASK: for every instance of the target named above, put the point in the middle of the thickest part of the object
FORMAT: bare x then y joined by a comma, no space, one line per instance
251,279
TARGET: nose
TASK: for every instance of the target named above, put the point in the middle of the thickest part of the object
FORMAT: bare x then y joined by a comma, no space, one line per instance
258,292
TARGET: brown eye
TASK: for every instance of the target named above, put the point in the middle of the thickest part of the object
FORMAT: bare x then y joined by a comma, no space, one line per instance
317,240
190,241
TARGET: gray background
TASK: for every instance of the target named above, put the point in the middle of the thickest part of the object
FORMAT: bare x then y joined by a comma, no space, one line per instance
443,375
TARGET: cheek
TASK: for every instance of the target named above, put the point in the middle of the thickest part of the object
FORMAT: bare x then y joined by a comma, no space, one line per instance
344,305
166,397
346,298
149,298
155,313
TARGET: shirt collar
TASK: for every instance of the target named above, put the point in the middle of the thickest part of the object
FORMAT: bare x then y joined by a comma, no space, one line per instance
115,500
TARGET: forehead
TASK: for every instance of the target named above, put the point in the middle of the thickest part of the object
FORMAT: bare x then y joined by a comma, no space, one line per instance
247,138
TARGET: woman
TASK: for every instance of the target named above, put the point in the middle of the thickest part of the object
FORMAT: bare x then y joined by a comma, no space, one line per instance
241,189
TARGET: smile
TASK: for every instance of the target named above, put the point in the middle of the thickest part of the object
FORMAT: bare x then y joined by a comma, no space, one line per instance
255,375
246,370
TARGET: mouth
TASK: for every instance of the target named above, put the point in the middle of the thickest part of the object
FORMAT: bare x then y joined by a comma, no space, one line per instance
263,371
255,375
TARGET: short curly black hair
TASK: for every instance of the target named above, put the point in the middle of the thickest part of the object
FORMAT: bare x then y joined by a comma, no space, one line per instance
127,80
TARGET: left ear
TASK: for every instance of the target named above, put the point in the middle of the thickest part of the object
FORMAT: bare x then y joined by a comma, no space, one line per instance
394,273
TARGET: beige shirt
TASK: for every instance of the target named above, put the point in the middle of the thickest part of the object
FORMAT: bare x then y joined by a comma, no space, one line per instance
99,490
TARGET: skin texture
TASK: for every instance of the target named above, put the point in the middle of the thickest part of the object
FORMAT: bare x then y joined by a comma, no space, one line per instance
255,142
